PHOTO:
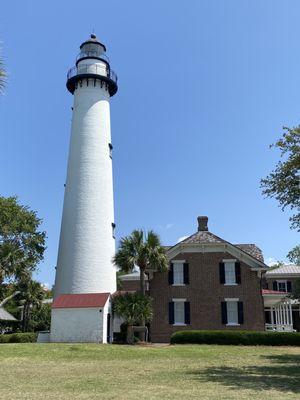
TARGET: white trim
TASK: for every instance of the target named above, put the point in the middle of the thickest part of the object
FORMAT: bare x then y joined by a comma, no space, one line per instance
230,284
181,300
178,284
281,275
178,261
179,324
229,260
232,299
215,248
233,324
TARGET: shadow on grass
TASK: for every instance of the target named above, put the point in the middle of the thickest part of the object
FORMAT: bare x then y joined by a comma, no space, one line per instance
283,376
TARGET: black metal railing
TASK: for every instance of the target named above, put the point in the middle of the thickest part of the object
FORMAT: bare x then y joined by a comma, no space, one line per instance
101,70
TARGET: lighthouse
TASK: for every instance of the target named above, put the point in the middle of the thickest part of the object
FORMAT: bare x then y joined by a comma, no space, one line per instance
85,274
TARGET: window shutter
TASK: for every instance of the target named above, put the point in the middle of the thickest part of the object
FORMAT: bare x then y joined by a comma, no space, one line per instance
187,313
289,286
171,274
224,312
240,312
171,313
186,278
222,273
275,286
238,272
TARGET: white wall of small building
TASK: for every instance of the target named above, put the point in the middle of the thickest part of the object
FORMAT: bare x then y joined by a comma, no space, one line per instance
80,325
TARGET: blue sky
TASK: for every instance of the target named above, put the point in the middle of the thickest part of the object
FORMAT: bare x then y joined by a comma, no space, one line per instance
204,88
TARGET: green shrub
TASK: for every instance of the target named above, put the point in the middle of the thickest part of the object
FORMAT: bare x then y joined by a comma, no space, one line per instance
27,337
247,338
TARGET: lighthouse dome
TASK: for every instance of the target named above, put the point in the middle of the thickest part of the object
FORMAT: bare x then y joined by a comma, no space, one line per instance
92,44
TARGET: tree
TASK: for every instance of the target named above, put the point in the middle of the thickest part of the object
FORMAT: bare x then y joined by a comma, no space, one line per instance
40,318
32,294
296,290
283,182
2,75
22,245
142,250
133,307
294,255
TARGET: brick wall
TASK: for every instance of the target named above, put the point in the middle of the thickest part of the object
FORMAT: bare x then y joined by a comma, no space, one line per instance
130,285
205,294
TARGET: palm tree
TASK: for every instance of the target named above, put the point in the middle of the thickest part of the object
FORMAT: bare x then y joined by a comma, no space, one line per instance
133,307
32,294
142,250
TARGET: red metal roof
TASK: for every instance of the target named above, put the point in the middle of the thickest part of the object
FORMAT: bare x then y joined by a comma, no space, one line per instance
267,291
84,300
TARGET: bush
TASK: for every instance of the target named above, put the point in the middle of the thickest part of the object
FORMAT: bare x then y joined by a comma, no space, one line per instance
27,337
246,338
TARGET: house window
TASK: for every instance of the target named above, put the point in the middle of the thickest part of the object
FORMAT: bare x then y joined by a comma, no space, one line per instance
178,273
230,273
282,286
232,312
179,312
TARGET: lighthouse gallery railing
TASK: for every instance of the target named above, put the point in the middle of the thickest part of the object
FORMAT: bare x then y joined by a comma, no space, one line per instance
94,70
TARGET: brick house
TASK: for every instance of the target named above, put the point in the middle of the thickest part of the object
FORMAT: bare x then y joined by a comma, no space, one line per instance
211,284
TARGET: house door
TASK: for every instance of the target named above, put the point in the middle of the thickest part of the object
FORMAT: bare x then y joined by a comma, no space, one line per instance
108,328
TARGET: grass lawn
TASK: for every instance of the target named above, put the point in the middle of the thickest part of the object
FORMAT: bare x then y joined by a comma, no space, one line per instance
66,371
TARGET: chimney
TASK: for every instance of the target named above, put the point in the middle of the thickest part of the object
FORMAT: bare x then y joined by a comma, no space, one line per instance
202,223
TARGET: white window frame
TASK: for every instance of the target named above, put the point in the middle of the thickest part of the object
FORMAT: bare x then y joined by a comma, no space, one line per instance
227,282
233,300
182,301
177,263
285,284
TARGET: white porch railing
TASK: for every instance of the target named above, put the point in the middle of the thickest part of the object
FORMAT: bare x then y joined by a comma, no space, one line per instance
279,328
281,317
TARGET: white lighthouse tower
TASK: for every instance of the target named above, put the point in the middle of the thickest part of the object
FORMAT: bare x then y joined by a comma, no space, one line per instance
87,244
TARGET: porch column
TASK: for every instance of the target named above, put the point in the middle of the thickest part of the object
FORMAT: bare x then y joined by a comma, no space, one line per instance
284,313
291,312
272,316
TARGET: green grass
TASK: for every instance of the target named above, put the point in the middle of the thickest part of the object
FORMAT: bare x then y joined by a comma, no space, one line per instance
62,371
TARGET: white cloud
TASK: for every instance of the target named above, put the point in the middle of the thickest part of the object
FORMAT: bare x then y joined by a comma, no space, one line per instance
270,261
46,285
181,239
169,226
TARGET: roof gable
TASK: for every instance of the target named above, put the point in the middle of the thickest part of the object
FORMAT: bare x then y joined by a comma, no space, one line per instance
6,316
83,300
206,239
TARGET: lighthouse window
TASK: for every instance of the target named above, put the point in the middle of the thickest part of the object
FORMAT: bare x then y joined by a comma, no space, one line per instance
110,146
113,225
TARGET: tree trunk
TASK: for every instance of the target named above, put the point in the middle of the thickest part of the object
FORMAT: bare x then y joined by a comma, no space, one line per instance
143,291
26,316
142,281
130,336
